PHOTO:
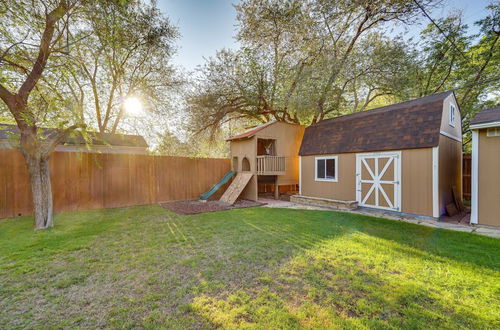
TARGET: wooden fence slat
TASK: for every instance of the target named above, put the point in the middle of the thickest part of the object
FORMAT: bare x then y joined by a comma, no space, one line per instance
22,202
92,181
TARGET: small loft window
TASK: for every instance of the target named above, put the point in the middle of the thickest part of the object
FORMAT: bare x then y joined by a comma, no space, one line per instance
491,132
326,168
452,115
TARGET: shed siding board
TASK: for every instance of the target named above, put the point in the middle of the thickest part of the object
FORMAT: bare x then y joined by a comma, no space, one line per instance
445,121
343,189
450,171
489,180
416,180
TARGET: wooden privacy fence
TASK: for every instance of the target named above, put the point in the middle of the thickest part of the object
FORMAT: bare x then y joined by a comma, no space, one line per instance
93,181
466,176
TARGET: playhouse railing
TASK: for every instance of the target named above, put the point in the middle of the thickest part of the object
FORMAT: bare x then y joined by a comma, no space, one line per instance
271,165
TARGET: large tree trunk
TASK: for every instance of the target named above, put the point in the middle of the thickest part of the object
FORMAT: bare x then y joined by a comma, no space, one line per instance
38,168
36,151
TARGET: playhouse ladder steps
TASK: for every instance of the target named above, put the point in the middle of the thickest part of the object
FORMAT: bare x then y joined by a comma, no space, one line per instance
236,187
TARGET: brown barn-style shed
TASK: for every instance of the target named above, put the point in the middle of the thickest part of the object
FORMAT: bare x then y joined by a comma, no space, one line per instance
405,157
485,201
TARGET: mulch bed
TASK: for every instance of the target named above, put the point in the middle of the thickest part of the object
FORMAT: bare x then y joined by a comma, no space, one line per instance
195,206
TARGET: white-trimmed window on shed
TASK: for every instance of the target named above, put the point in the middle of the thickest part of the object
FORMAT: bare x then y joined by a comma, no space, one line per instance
453,114
326,168
494,131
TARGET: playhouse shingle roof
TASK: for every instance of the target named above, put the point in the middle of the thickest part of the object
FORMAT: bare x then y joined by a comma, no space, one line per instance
407,125
252,132
486,116
103,139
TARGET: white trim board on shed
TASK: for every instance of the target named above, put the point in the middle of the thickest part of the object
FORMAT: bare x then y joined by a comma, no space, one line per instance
474,177
435,182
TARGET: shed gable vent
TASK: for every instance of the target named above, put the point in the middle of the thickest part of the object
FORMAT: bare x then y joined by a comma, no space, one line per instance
493,132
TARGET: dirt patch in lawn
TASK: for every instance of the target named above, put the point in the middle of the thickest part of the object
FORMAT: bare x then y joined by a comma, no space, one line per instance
195,206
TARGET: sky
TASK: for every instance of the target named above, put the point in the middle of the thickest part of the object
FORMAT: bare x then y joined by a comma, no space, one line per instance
205,27
209,25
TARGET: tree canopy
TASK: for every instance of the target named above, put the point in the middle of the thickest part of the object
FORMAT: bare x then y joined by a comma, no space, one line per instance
450,58
305,61
102,53
54,54
126,53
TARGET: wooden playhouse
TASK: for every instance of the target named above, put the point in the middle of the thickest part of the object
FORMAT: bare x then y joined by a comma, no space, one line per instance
267,155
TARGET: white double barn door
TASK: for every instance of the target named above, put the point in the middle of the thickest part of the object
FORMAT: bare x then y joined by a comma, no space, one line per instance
378,180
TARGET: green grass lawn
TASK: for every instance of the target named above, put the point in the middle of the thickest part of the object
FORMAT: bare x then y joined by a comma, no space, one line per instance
255,268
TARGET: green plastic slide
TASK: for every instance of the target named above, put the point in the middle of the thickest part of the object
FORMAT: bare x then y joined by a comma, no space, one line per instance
216,186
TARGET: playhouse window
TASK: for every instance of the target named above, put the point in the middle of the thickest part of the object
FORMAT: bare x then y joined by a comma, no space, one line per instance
326,168
235,163
245,165
452,115
266,147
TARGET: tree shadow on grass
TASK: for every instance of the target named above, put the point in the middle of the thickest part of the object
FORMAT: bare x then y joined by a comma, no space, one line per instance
375,273
262,267
333,286
459,246
292,268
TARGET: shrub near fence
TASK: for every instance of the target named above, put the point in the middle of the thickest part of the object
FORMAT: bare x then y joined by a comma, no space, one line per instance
93,181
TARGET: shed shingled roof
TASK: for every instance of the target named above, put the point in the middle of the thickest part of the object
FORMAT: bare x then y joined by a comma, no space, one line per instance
486,116
408,125
102,139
